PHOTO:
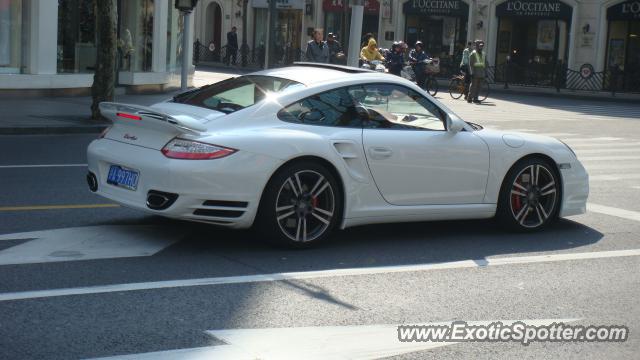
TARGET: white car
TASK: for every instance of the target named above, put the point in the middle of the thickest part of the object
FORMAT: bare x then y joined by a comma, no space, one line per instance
302,150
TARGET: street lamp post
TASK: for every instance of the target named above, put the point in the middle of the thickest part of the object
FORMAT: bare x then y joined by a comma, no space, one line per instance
186,7
357,11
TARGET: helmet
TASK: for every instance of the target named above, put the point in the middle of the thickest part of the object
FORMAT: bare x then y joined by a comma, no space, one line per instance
419,43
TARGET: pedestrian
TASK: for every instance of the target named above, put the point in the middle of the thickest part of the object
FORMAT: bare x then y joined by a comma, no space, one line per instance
317,49
395,58
232,46
417,57
464,67
477,68
336,55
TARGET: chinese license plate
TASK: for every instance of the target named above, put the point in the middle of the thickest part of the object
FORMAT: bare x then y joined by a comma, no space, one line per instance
122,177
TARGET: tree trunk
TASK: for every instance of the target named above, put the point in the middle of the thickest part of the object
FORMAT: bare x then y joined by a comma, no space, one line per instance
104,78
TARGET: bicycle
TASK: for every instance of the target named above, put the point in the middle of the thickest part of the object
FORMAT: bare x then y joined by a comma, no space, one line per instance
430,83
457,88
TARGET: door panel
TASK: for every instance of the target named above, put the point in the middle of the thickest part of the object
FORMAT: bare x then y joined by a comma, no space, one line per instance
413,167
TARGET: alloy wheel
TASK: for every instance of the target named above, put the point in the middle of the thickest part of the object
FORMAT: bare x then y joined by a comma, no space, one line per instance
533,196
305,206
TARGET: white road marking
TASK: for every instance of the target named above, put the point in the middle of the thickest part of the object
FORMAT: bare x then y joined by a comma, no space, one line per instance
606,146
606,150
41,166
259,278
87,243
614,211
616,166
614,177
608,158
354,342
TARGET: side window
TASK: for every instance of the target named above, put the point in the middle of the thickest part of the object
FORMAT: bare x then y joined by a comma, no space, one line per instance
332,108
396,107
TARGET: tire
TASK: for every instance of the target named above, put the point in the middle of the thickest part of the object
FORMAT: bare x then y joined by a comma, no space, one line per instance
530,196
431,85
456,88
301,205
483,93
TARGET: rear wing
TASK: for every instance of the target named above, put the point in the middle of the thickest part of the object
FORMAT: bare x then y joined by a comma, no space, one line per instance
127,114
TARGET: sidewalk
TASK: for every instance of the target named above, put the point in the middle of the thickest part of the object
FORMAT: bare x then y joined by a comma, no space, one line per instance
72,115
68,115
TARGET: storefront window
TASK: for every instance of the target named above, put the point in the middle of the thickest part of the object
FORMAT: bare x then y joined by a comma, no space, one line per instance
534,43
623,44
441,26
338,21
174,39
135,34
13,16
287,31
76,36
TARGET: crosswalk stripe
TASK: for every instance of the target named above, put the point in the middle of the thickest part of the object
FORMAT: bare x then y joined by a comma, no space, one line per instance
606,151
614,177
613,211
597,145
609,158
605,166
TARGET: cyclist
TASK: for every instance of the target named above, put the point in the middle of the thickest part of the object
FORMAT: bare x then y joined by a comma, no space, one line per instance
416,58
395,58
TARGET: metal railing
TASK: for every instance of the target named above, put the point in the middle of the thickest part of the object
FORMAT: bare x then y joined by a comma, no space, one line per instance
245,56
561,77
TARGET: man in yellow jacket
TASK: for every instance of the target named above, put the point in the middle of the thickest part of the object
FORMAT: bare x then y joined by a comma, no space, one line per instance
370,52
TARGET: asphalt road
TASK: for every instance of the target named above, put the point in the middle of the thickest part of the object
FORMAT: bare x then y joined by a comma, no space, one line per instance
57,304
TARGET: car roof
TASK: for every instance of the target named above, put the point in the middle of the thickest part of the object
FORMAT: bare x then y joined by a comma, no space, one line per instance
310,73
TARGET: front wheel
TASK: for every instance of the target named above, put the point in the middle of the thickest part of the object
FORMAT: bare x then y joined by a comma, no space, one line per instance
301,205
431,85
530,196
456,88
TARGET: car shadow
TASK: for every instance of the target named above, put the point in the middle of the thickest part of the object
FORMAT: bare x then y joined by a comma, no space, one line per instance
388,244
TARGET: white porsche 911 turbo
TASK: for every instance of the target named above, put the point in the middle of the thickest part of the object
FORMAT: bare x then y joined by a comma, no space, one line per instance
301,150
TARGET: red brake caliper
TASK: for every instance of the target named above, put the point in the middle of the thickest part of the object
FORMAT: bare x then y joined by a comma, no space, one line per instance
314,202
515,199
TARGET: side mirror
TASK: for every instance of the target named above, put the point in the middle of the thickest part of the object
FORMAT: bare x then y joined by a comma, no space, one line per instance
454,124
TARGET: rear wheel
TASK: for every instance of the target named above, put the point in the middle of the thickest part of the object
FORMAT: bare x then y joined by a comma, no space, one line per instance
483,93
456,88
431,85
530,195
301,205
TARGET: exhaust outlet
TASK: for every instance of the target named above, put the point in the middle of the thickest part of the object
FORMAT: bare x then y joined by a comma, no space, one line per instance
158,200
92,181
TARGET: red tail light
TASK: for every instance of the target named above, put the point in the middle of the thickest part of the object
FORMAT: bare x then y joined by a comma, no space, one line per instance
129,116
194,150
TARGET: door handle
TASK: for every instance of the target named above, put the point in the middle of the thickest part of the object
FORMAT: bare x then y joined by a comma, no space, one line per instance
380,152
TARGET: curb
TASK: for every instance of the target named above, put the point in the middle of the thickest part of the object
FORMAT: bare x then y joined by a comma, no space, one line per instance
51,130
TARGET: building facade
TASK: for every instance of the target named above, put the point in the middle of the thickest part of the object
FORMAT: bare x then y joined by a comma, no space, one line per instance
532,35
51,45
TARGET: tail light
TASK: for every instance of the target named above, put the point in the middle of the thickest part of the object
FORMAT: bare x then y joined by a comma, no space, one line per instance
194,150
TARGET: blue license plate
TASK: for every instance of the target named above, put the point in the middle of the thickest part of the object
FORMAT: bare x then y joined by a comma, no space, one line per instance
122,177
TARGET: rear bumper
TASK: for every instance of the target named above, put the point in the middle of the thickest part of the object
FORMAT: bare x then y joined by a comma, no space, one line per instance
231,186
575,190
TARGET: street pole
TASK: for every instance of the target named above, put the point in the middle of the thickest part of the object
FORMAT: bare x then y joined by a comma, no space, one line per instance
184,78
357,11
268,53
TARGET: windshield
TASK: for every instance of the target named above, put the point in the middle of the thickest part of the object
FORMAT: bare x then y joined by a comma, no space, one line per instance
236,93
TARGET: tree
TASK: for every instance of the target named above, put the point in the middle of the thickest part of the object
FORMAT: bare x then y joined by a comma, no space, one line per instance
104,78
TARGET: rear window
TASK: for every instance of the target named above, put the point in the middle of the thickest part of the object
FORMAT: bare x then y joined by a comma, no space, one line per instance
237,93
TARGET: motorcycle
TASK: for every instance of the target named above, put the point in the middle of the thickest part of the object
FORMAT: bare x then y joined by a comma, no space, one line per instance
375,65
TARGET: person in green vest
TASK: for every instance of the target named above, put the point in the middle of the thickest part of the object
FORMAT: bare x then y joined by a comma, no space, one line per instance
477,68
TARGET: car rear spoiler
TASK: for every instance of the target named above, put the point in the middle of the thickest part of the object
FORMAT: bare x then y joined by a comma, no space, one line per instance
147,117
